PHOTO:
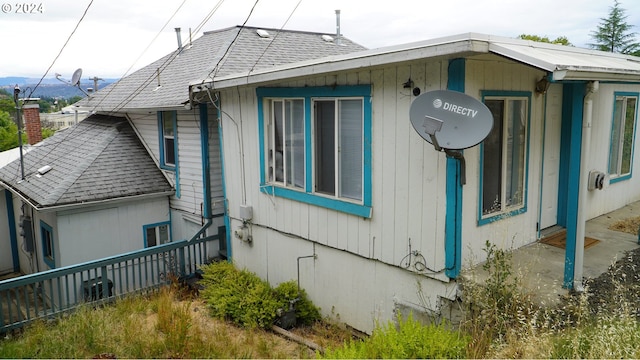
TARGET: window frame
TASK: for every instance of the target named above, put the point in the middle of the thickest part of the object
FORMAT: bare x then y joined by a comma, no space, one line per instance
162,118
506,211
617,176
156,226
49,259
308,194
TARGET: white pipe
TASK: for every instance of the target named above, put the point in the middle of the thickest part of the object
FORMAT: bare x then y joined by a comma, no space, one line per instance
582,186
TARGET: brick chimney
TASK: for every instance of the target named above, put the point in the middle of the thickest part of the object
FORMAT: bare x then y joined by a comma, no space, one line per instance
32,126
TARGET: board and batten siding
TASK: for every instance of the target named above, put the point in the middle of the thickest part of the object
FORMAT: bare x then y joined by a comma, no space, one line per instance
408,202
493,73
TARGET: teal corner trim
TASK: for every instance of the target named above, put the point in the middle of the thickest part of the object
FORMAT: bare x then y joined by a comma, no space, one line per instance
453,222
227,220
13,236
570,156
206,168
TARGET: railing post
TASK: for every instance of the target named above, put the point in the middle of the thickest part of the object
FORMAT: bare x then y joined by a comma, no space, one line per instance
181,261
104,283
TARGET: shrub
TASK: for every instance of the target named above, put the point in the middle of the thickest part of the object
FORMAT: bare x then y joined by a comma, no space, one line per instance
243,298
409,339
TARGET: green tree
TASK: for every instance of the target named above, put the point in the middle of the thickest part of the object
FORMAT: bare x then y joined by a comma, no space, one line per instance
614,34
561,40
8,132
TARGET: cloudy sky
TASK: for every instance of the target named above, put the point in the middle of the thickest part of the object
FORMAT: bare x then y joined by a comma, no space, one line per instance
117,36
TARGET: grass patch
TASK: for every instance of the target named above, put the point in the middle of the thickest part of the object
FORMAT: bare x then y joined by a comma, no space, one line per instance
629,225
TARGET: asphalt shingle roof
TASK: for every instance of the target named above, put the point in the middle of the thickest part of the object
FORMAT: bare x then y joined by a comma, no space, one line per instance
100,158
222,52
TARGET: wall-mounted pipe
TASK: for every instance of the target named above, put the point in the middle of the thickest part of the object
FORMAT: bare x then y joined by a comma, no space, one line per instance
582,187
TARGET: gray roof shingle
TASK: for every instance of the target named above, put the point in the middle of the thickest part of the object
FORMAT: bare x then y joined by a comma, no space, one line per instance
100,158
140,90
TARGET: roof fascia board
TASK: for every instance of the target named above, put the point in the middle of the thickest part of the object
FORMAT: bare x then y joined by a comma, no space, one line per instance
368,58
110,202
586,75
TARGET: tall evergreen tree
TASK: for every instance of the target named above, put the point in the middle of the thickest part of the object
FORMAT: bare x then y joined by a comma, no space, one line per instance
614,33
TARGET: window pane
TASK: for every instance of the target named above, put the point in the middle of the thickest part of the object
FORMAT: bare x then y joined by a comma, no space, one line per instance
516,133
614,157
169,151
492,161
151,237
163,231
350,151
277,150
325,146
294,117
167,123
629,124
48,250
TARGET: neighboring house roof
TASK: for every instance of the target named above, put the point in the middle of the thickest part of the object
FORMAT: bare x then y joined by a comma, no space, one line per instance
165,82
99,159
563,62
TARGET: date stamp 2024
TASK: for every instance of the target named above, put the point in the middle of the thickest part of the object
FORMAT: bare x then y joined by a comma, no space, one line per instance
22,8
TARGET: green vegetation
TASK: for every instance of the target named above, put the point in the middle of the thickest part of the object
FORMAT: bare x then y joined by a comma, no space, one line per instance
243,298
614,34
408,340
561,40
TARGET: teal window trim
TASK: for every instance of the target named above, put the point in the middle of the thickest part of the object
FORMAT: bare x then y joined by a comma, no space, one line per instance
614,178
48,249
161,140
306,195
155,225
483,220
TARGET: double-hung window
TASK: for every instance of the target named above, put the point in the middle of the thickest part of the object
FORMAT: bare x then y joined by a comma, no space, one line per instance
48,252
315,144
167,131
625,111
504,156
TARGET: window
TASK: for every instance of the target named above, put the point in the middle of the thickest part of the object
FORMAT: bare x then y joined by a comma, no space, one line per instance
156,234
46,234
168,146
622,134
504,156
315,144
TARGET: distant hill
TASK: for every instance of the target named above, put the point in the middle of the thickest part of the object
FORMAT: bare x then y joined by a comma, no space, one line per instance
49,87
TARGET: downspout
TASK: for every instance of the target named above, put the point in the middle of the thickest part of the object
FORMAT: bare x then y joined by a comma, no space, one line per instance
582,192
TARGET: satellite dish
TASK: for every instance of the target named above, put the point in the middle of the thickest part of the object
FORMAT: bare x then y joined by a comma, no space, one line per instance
75,79
450,120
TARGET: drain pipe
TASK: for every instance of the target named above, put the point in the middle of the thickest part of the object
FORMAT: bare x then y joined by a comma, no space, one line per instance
592,88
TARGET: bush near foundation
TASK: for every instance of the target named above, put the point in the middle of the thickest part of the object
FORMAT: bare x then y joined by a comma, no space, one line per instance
241,297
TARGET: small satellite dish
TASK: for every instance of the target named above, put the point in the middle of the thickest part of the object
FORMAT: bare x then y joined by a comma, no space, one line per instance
75,79
450,120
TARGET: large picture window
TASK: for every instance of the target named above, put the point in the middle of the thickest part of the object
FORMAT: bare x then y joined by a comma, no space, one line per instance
314,145
504,156
622,135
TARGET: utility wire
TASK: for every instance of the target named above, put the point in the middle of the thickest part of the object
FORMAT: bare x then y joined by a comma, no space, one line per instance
62,49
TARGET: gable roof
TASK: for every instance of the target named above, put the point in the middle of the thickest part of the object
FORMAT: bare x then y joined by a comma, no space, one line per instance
562,62
165,82
99,159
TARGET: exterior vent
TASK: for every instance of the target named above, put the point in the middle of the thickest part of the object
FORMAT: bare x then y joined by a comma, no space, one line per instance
263,33
327,38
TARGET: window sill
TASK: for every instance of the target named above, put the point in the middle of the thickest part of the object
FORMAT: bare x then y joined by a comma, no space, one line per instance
168,167
502,215
312,199
613,180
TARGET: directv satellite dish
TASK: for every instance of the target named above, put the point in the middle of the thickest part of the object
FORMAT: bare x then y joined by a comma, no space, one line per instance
75,79
450,120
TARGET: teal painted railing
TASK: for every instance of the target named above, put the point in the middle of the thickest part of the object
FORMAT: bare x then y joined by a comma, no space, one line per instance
49,293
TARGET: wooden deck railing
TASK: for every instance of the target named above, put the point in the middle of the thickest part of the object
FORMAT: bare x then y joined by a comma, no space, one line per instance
50,293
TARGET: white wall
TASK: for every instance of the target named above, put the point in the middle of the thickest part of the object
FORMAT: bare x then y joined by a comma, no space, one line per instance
6,254
89,234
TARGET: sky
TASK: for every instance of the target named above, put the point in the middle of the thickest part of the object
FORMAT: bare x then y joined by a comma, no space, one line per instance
117,37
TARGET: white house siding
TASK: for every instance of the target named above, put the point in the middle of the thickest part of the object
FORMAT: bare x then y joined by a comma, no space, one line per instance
490,72
187,208
623,192
97,232
408,201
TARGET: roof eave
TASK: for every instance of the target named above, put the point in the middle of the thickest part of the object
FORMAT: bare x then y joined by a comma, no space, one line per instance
105,202
588,74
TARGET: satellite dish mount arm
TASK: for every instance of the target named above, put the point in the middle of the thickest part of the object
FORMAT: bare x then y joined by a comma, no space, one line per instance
458,155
